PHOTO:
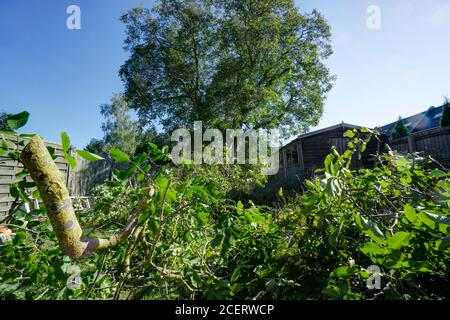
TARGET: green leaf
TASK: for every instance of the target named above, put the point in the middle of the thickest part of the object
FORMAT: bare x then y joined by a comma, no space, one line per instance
399,239
332,292
418,266
89,156
443,244
394,259
72,161
144,217
146,214
333,238
16,121
153,226
435,221
22,174
436,173
370,228
371,248
119,156
19,238
280,192
349,134
4,144
16,192
410,213
235,275
345,271
140,177
65,140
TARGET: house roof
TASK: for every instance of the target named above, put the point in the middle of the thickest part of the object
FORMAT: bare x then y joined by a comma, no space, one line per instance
418,122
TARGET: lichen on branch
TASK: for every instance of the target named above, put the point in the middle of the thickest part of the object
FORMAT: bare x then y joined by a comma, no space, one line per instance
50,182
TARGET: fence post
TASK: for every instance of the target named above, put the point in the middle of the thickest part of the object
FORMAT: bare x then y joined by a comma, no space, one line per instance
411,143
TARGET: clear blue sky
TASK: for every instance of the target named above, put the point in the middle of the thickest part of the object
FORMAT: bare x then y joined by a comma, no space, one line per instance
62,76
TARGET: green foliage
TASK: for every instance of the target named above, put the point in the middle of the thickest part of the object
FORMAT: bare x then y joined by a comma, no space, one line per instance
196,242
119,156
9,123
65,142
16,121
400,129
4,123
228,63
89,155
445,118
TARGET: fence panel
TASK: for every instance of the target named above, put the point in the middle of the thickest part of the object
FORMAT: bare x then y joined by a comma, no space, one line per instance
434,142
89,174
9,168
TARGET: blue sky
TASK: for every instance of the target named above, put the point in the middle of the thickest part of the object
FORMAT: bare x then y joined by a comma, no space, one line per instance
62,76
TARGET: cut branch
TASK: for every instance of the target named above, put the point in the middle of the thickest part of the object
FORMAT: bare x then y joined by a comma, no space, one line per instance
51,184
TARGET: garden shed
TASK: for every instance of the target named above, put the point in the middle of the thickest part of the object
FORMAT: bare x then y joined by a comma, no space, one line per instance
302,156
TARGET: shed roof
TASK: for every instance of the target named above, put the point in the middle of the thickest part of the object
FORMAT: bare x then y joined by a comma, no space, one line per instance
316,132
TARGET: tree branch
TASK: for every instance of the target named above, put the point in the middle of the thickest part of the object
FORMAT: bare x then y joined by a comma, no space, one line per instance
51,184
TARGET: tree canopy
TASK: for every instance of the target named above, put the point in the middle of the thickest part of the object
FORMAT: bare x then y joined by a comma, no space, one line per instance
445,118
239,64
400,129
3,122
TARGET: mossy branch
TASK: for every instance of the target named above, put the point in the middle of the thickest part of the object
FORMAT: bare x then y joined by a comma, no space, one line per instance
51,185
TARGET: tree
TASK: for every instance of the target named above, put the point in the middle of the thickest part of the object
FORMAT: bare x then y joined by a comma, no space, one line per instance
96,146
400,129
240,64
118,128
445,118
3,122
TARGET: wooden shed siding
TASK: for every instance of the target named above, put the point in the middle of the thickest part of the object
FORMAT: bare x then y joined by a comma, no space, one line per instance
317,147
312,151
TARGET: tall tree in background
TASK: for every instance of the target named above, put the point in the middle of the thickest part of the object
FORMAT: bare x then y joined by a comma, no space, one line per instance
235,63
445,118
400,129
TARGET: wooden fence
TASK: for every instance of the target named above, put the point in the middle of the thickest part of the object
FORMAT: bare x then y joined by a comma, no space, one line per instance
88,174
9,169
434,142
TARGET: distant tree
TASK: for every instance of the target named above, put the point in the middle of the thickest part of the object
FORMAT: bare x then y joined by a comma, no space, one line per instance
445,118
3,123
119,130
236,63
96,146
153,136
400,129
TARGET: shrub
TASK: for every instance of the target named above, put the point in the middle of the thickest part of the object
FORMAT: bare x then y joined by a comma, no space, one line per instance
194,242
445,118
